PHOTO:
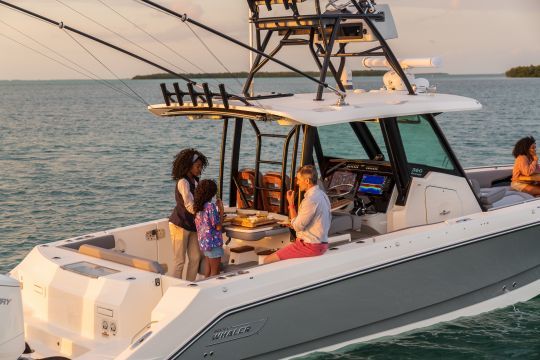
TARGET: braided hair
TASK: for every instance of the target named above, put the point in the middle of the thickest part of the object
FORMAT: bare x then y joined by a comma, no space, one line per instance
184,160
204,192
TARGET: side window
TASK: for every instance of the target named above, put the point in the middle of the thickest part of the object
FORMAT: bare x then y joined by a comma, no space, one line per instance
421,144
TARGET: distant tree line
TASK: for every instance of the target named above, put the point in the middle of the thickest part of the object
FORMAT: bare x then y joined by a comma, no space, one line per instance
524,71
244,74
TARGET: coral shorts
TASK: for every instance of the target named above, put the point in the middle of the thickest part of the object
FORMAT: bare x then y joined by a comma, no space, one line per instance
300,249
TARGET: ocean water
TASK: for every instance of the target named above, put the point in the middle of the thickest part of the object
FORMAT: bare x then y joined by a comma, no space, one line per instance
77,157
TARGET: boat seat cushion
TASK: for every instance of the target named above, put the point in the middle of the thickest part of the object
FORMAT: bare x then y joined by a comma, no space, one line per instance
265,252
105,242
512,197
488,196
124,259
242,249
498,196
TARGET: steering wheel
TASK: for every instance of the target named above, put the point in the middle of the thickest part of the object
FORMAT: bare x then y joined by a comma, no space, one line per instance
349,186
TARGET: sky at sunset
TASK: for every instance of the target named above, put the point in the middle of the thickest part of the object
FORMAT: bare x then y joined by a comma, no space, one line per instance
472,37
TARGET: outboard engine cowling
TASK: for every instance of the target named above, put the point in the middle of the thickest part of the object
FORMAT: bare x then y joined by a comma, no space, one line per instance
11,319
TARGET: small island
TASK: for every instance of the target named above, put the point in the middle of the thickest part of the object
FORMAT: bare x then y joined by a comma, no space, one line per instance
244,74
524,71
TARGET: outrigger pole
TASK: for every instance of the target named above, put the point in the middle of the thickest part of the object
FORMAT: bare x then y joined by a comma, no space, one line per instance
117,48
185,18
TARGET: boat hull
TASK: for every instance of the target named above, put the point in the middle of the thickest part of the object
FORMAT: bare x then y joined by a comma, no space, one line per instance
386,299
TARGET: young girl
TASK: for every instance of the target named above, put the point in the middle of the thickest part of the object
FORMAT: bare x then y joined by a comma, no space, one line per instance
208,220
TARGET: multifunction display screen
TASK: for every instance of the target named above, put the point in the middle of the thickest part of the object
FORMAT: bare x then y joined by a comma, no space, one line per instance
372,184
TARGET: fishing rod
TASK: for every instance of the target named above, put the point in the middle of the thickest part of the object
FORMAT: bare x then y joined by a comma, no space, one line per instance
185,18
61,25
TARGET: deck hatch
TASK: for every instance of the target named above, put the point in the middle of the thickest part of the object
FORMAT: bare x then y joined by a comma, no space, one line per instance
89,269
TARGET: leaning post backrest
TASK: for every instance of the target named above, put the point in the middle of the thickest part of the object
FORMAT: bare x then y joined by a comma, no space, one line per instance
246,181
272,183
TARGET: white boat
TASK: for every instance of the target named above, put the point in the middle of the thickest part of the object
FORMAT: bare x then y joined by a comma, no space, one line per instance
415,239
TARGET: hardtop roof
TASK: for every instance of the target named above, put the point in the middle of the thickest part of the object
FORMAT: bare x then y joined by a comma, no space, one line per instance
302,109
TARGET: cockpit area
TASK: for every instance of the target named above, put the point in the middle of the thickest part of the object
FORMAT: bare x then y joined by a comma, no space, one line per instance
381,175
361,189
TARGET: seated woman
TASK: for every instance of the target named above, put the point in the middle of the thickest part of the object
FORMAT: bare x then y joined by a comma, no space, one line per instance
526,164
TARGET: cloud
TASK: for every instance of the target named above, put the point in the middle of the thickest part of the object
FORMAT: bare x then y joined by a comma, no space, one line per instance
476,5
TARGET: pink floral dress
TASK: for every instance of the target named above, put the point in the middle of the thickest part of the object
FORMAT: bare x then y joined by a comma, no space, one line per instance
206,222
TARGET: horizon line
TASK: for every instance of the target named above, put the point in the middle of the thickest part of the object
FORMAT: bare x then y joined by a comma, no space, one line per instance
132,78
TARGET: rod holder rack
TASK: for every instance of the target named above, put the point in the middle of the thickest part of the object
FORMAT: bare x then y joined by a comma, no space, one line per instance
206,96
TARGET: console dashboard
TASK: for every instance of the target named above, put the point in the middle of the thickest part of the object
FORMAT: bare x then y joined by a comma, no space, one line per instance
368,183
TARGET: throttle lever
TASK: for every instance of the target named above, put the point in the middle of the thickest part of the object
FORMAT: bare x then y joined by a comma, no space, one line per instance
359,207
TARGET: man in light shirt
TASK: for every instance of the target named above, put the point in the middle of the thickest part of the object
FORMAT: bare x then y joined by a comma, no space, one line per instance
311,222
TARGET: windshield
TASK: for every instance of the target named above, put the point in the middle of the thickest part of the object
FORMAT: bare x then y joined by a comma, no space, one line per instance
341,140
422,145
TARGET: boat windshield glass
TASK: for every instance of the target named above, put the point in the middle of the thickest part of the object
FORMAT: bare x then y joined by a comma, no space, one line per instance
340,141
422,145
